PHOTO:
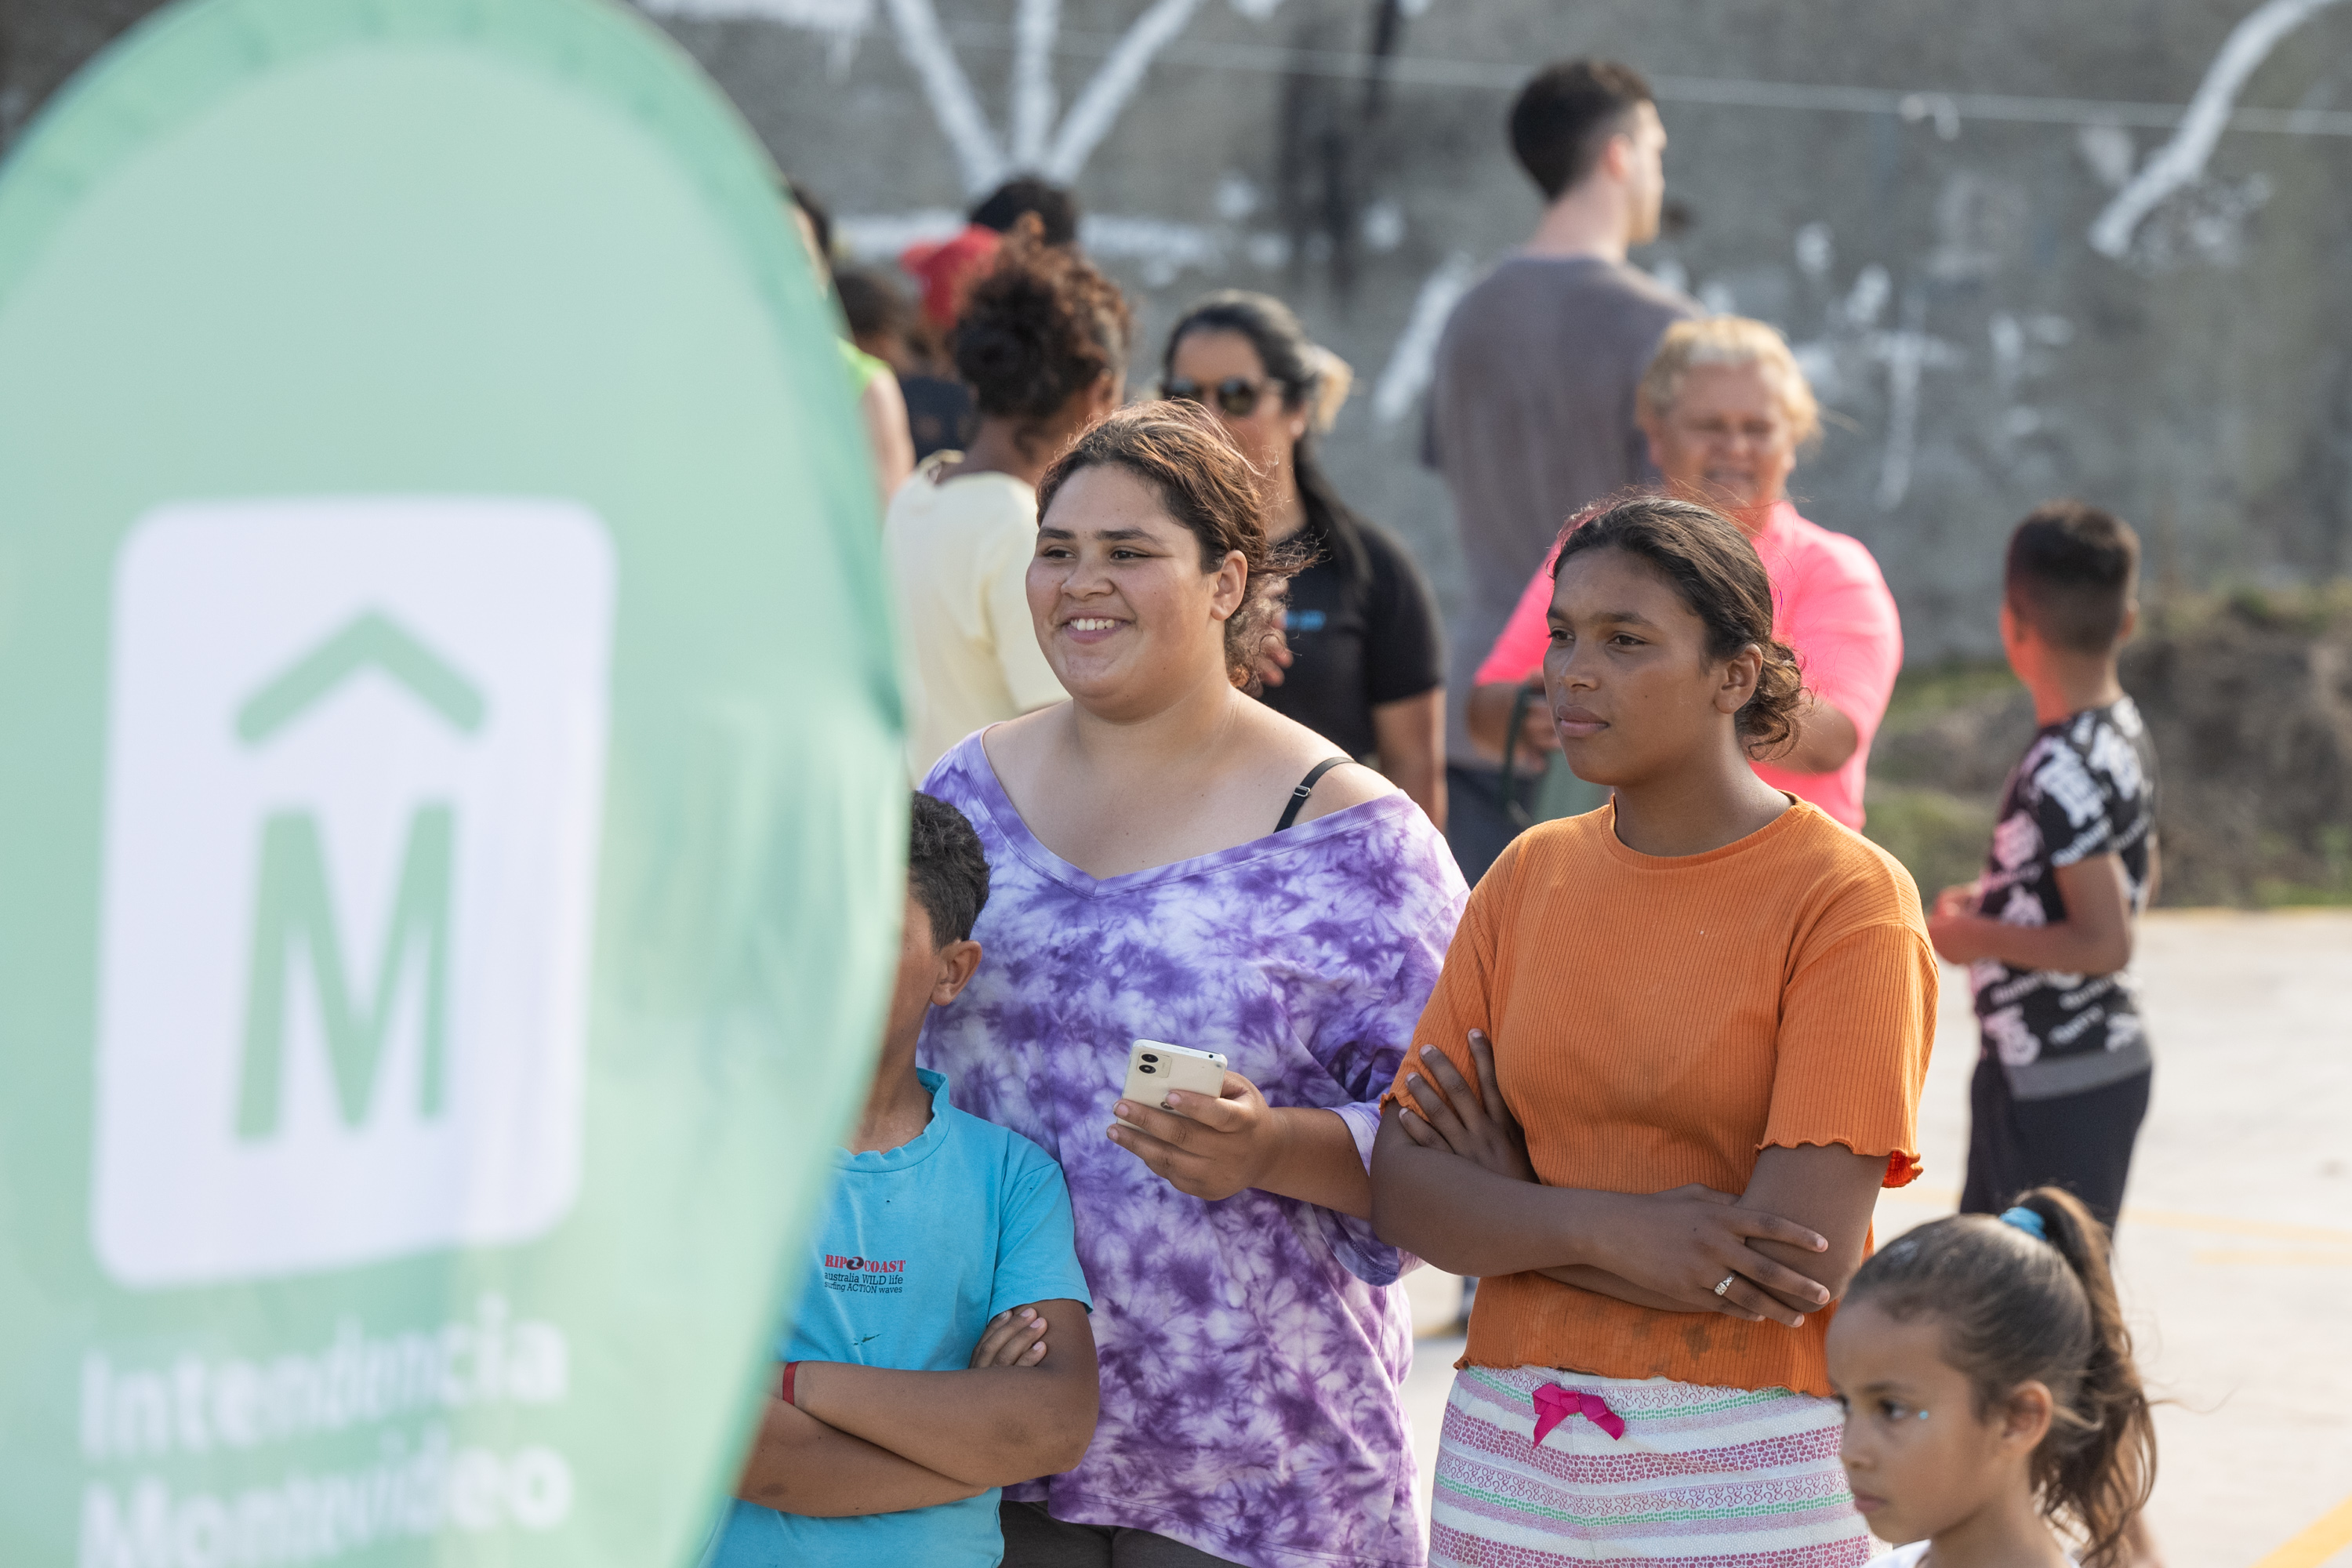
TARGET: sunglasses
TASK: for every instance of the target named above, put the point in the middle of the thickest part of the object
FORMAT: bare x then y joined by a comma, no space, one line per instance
1237,397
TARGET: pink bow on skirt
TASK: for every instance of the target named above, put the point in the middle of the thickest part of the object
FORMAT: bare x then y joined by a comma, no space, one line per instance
1555,1404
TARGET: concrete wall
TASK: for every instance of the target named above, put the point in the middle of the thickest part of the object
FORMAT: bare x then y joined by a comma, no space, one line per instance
1940,201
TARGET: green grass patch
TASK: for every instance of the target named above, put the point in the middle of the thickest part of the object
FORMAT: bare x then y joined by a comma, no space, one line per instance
1940,838
2333,887
1931,690
2309,609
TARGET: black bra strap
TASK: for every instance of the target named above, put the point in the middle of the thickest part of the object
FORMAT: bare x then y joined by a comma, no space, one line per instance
1306,787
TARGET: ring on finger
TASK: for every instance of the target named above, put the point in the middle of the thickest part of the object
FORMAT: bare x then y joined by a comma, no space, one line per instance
1728,1279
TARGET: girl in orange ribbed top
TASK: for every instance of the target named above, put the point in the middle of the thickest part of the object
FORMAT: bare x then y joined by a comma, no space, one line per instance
1678,1047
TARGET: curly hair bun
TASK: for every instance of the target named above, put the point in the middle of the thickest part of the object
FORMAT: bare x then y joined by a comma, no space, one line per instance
1038,329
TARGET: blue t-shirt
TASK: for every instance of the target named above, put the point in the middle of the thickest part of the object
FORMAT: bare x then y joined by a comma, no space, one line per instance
920,1246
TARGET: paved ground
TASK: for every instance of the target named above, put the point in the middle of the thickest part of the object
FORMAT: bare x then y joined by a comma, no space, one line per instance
2235,1250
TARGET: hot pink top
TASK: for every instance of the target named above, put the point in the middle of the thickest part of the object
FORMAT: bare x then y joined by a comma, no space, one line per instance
1830,604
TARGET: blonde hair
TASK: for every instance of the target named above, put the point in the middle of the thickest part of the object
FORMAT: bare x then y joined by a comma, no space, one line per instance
1729,340
1333,378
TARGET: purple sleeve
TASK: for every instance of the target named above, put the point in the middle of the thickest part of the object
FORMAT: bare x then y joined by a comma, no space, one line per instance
1411,898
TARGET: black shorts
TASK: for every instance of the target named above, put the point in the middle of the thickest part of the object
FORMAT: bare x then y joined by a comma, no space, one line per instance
1035,1539
2082,1142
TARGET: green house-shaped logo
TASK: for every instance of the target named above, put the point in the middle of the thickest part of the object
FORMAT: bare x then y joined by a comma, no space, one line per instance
294,908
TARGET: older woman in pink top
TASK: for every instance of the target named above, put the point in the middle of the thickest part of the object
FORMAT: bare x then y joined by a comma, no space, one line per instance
1726,408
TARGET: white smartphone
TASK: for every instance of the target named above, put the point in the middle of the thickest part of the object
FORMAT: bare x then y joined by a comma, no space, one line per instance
1154,1066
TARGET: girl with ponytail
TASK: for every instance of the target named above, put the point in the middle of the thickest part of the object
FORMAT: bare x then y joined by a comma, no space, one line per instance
1992,1400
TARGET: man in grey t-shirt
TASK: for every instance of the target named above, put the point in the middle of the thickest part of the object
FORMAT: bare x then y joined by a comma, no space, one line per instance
1531,406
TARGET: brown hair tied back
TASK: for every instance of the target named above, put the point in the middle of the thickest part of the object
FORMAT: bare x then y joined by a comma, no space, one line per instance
1204,483
1716,570
2018,1308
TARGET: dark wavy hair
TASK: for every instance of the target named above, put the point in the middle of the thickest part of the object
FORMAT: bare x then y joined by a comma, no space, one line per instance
947,870
1290,360
1716,570
2016,1309
1040,327
1205,484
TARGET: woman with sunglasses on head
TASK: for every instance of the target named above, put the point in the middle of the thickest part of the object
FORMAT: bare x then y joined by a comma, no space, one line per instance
1042,343
1172,860
1676,1050
1362,658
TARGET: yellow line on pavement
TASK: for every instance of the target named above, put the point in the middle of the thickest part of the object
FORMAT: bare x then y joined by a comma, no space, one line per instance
2331,1534
2270,1229
2166,1219
2292,1260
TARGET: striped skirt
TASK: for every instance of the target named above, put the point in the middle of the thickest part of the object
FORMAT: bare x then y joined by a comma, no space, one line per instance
1701,1475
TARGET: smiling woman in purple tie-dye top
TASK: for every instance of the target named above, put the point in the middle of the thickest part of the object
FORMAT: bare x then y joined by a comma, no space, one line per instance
1251,1335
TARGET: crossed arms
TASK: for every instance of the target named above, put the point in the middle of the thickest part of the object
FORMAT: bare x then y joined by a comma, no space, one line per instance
1455,1187
869,1439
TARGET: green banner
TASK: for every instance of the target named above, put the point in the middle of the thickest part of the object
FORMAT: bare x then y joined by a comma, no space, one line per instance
451,811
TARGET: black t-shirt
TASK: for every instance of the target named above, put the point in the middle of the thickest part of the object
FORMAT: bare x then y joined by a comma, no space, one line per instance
1362,628
2086,786
939,413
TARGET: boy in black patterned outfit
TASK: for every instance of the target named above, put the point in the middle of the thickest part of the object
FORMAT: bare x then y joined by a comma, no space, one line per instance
2062,1079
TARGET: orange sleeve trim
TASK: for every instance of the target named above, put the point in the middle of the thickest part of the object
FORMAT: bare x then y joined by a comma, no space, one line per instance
1903,1166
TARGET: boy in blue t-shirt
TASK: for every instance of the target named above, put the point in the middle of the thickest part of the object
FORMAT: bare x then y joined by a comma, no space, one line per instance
941,1351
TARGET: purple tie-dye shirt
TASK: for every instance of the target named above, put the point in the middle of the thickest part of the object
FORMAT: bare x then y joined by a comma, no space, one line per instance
1251,1349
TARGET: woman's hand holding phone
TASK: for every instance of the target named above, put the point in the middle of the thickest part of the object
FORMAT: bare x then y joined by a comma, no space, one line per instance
1209,1148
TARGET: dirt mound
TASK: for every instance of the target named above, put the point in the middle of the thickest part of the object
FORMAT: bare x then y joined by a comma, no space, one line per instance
2250,702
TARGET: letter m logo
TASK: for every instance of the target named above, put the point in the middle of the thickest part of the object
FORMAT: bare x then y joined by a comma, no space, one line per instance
294,910
356,749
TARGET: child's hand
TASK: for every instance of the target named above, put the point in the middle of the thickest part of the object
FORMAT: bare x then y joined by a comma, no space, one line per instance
1014,1337
1960,937
1475,1125
1961,898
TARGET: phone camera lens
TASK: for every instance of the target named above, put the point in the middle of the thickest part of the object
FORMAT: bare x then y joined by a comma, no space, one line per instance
1150,1057
1151,1069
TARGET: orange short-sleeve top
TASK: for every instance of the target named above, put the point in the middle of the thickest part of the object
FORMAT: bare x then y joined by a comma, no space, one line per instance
1660,1020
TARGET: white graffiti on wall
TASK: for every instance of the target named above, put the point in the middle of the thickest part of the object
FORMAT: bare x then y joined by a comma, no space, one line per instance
2179,164
1906,352
841,22
1414,357
2168,210
1034,143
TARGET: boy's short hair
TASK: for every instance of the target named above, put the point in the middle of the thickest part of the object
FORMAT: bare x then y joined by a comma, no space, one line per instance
2070,575
947,871
1563,118
1056,208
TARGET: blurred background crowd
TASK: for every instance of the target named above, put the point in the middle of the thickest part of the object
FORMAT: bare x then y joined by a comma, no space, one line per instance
2010,264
